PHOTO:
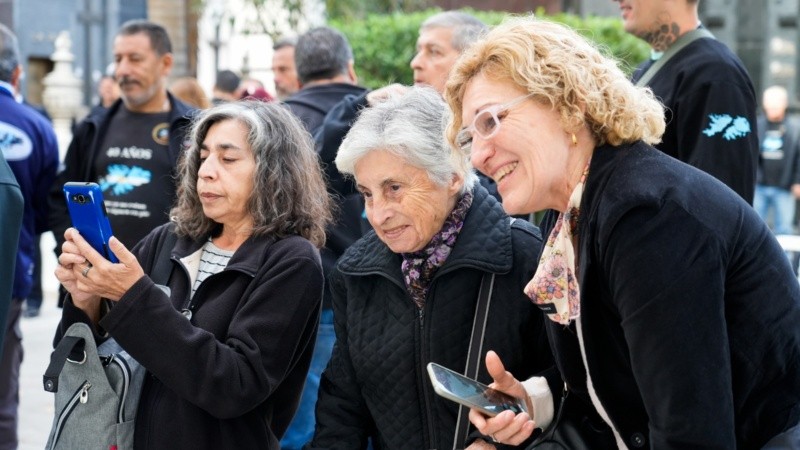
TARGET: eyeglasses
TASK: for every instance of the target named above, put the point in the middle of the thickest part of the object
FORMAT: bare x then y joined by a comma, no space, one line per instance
487,122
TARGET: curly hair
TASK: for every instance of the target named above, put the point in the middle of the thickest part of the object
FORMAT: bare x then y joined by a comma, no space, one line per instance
562,70
289,194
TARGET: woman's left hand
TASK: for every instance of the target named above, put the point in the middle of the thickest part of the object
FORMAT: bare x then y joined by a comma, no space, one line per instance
102,277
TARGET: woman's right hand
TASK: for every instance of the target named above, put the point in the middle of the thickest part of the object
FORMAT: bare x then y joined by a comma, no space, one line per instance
71,263
505,427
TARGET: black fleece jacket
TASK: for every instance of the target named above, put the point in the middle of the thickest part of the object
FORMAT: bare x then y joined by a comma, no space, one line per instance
230,378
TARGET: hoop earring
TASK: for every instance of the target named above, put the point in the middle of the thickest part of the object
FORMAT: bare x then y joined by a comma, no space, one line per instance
574,139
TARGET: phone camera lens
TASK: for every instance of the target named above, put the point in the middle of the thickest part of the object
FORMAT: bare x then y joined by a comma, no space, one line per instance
80,198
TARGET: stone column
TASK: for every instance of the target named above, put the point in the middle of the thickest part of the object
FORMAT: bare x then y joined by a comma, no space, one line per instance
62,91
172,15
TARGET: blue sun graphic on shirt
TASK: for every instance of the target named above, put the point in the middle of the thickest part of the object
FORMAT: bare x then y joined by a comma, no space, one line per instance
729,127
122,179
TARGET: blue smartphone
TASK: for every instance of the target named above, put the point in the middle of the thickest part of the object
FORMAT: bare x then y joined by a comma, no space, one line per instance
88,213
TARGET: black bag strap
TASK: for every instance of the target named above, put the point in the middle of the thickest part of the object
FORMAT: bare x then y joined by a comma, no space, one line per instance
70,347
162,268
474,353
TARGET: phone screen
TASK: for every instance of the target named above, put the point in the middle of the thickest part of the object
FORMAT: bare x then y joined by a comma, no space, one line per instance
471,393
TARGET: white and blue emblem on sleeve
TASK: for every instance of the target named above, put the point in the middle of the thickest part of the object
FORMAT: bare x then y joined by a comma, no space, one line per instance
730,128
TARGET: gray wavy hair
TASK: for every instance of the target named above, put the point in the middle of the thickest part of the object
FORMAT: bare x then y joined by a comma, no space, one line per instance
410,126
289,194
466,27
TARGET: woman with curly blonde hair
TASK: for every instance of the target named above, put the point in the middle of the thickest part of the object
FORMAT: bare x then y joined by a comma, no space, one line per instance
658,281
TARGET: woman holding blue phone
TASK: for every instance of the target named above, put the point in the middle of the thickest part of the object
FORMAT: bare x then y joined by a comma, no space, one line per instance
229,343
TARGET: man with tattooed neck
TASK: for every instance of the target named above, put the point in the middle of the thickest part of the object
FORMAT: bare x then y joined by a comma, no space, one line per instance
709,99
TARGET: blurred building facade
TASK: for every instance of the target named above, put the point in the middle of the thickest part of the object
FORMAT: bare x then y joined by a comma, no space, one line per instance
223,35
92,25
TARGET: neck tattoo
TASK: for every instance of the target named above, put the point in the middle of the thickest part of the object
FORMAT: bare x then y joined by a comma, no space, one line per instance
662,36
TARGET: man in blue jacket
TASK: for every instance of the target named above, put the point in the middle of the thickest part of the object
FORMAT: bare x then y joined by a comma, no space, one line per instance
29,145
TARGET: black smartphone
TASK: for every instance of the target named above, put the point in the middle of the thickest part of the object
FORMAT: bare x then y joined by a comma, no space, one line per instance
88,214
473,394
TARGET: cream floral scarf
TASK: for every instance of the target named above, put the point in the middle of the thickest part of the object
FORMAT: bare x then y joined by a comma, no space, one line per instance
554,287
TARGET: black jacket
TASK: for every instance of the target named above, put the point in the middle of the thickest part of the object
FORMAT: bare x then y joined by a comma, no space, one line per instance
689,308
710,111
376,384
79,160
311,103
232,377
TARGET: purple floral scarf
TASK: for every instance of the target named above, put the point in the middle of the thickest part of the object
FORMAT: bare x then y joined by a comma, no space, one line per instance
554,287
418,267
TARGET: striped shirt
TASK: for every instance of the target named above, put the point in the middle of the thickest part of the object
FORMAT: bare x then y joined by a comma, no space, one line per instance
213,260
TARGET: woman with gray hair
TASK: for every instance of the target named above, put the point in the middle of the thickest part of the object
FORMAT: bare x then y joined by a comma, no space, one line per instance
405,294
229,342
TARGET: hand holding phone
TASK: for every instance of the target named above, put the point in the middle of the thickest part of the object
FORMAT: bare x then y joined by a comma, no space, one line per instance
473,394
88,214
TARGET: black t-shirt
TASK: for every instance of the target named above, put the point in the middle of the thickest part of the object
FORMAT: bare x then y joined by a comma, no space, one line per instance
135,172
772,154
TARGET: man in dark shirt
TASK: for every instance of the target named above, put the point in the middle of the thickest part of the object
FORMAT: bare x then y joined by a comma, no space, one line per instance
709,98
779,166
324,64
130,150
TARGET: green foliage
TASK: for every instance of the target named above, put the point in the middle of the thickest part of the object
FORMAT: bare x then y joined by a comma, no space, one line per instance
383,44
343,9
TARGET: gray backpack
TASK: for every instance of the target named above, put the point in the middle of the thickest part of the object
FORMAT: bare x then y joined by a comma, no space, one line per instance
96,392
97,389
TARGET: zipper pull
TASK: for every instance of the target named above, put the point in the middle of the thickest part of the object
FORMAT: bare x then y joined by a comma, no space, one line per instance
85,393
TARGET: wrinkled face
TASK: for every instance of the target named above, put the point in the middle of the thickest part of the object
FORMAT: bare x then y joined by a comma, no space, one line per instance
284,73
435,57
527,155
403,205
140,71
225,179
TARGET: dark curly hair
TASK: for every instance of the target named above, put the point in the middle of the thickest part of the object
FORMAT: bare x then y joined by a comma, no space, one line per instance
289,195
